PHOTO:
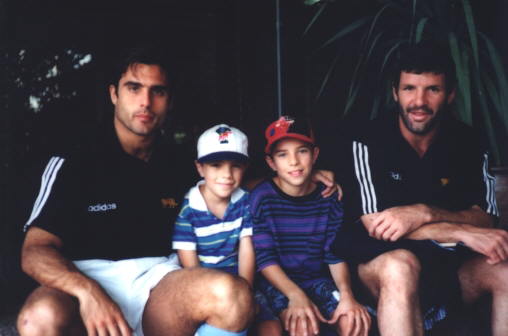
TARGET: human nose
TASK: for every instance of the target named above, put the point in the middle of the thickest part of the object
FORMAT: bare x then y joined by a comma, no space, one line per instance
293,159
227,171
145,99
420,98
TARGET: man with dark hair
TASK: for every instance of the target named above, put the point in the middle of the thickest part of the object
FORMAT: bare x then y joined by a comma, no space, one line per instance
421,206
97,239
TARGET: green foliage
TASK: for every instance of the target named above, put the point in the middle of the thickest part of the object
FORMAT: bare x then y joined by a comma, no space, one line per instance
482,86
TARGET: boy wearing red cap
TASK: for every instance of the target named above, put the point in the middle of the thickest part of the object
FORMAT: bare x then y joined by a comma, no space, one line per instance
294,227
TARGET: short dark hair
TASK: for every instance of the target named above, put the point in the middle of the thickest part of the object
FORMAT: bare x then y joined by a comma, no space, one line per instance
143,54
426,57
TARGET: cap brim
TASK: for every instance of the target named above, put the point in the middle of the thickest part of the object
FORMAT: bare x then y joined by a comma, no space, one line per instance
301,137
221,156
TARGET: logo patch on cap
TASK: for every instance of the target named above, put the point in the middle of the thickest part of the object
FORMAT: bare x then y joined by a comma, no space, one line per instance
224,133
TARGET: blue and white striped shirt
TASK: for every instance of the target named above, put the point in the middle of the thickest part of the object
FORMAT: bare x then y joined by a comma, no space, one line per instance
215,240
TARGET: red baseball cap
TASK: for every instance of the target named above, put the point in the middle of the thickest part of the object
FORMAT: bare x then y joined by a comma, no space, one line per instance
287,127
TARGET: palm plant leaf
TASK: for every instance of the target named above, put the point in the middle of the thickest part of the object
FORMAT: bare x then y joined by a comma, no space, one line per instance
502,82
314,18
463,80
468,13
420,27
344,31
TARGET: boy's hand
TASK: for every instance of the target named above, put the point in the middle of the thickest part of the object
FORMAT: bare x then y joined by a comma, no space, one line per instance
328,179
299,313
353,318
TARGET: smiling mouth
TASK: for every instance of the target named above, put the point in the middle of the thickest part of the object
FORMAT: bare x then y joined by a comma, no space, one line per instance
296,173
420,115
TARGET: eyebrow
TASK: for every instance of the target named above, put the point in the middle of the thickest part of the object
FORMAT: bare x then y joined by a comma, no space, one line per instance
132,83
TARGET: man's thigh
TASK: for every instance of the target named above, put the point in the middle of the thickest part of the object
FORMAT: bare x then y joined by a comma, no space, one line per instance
50,308
477,277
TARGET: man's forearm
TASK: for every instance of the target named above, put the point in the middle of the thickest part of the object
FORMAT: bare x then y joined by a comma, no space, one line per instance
449,226
474,216
47,266
442,232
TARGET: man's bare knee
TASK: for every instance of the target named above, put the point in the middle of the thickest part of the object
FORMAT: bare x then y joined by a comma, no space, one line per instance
399,265
391,270
47,312
234,304
477,278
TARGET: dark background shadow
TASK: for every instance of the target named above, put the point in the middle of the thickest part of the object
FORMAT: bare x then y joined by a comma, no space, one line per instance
55,58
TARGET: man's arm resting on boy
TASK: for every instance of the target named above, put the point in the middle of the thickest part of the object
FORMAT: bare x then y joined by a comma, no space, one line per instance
300,307
356,314
42,260
246,260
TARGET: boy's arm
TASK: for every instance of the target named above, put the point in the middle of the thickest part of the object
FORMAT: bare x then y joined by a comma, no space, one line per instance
356,313
299,304
184,238
188,258
246,260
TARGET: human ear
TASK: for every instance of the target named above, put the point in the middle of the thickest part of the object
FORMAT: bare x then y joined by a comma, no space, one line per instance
315,154
199,168
270,163
112,94
394,93
451,96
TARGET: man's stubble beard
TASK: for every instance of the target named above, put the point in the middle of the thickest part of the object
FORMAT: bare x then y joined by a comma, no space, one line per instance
427,127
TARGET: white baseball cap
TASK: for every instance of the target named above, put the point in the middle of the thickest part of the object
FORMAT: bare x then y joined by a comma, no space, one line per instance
222,142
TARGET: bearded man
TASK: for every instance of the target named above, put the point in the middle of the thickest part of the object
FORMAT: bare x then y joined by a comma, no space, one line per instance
421,206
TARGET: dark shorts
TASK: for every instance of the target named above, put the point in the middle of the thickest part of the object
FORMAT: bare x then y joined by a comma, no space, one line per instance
439,284
265,312
322,292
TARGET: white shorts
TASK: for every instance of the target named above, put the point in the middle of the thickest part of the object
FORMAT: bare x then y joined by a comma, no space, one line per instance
129,282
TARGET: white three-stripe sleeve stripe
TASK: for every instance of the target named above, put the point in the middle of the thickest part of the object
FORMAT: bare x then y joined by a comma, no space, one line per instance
45,176
48,178
359,176
490,188
363,175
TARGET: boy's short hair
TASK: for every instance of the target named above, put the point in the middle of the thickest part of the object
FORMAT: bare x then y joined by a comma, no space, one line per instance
286,127
222,142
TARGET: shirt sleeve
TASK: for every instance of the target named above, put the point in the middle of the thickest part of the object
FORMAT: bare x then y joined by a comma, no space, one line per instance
482,185
263,240
246,223
54,205
184,237
356,174
334,225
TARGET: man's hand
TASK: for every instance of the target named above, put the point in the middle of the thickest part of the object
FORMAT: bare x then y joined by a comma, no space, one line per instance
299,313
328,179
101,316
394,223
357,318
493,243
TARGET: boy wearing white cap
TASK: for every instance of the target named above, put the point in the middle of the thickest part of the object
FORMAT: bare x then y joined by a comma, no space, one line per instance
214,228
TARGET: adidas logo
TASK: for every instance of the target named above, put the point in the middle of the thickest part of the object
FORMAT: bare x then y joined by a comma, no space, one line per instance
102,207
